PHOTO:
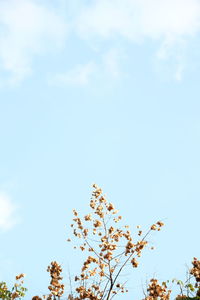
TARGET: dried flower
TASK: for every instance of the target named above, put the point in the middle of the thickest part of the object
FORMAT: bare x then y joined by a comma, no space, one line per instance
56,288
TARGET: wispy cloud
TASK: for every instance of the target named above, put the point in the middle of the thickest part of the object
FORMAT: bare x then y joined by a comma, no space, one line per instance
79,75
27,28
111,62
172,23
108,65
8,216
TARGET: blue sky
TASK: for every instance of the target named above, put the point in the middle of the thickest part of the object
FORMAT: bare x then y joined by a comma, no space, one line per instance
98,91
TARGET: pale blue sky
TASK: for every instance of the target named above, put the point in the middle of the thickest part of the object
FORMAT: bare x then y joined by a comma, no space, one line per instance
98,91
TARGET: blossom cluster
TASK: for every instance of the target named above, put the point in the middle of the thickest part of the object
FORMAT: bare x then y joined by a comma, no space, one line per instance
111,245
157,291
196,271
56,288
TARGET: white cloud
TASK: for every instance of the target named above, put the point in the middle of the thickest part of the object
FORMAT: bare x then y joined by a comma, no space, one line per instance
7,212
26,29
170,22
135,19
29,28
79,75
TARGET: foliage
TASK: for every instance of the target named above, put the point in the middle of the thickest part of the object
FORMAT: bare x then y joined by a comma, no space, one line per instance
190,289
17,291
